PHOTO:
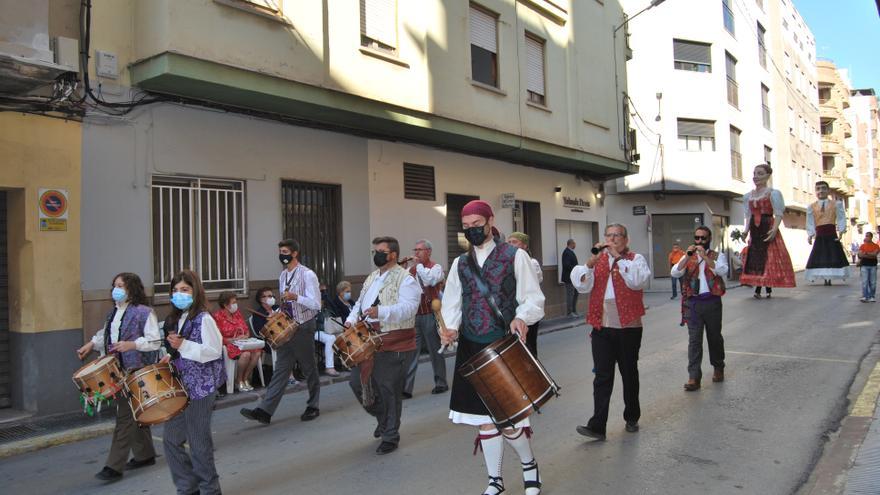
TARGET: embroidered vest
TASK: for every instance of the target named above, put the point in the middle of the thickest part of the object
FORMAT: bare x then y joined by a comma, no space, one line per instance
199,379
134,318
429,293
691,278
388,295
628,302
479,323
827,217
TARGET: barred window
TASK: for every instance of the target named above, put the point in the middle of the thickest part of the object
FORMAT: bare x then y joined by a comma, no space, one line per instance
199,224
312,214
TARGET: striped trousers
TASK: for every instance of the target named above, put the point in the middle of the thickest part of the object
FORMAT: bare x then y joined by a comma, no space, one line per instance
194,472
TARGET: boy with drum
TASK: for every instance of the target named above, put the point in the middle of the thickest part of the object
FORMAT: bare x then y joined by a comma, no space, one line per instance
131,333
493,277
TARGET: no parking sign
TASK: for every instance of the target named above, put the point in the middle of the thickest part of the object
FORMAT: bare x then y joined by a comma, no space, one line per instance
53,210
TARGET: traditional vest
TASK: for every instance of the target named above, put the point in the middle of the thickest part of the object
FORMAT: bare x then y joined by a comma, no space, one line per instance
479,323
297,285
388,295
691,278
628,302
131,327
199,379
429,293
827,217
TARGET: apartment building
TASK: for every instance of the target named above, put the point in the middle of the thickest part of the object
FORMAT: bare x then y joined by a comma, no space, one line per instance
864,144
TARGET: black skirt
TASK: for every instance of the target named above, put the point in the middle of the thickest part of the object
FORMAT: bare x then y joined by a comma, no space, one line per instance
463,397
827,253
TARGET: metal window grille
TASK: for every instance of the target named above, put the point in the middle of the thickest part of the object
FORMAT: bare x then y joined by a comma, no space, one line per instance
199,224
312,214
418,182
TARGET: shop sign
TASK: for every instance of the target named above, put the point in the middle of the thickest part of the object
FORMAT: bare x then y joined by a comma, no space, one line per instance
575,203
640,210
508,200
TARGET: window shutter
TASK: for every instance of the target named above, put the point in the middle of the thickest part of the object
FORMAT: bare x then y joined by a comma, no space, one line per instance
484,30
689,51
418,182
731,67
535,65
379,21
701,128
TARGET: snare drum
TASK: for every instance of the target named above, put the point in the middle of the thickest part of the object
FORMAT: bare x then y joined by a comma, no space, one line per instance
279,329
509,380
156,394
356,344
102,376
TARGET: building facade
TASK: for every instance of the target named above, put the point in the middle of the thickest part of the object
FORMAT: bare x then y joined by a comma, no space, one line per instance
864,144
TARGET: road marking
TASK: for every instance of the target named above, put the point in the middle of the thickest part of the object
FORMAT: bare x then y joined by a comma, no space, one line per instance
827,360
864,406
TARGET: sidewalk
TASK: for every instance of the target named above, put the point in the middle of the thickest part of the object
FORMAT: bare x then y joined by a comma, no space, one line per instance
27,434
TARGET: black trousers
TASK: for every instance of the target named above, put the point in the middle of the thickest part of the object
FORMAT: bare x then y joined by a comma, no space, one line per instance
704,315
389,376
618,346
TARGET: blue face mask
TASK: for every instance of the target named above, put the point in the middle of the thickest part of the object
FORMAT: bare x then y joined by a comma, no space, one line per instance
346,296
118,294
181,300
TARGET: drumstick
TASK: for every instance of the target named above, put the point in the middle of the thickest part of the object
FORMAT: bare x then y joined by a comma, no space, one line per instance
435,307
257,313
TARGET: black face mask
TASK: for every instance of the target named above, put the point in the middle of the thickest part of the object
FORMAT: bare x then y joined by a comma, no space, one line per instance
380,258
285,259
476,235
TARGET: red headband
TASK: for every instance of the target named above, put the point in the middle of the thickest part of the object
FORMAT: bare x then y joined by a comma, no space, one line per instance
477,207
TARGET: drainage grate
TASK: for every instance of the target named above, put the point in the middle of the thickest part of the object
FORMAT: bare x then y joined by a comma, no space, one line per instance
35,427
18,432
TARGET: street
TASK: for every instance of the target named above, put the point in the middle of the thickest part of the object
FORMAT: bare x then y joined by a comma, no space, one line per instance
790,363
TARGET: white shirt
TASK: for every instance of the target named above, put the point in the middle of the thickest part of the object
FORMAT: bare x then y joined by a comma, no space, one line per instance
430,277
212,341
408,296
151,340
529,298
538,270
678,270
635,274
311,299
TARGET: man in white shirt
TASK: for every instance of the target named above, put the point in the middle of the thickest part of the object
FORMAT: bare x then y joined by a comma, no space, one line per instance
388,303
615,279
429,275
301,300
702,273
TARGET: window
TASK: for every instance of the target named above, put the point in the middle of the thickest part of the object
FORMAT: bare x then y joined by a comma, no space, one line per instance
696,135
827,127
762,47
418,182
691,55
732,88
768,152
824,95
735,156
827,164
765,105
312,214
379,24
535,69
484,46
728,17
199,224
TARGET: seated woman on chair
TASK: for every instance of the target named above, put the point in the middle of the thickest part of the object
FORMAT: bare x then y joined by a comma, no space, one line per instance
233,327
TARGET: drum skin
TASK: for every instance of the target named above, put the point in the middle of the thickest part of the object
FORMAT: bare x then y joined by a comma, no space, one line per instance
510,381
104,375
357,344
279,329
156,394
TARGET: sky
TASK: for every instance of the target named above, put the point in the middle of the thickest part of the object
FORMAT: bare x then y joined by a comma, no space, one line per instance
847,32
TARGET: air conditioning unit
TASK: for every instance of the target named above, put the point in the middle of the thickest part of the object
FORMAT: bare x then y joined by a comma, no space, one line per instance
27,61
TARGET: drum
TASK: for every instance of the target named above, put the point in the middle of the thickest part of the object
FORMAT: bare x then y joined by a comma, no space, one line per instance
509,380
279,329
155,393
101,377
356,344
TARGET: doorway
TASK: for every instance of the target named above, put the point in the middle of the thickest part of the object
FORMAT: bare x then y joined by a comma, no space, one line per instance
527,219
584,235
668,230
456,244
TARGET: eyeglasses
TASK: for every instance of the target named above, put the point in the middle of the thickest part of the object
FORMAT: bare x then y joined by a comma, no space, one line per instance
701,238
416,250
615,234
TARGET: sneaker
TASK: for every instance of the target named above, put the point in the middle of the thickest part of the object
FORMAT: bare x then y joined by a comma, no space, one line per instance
292,381
872,300
864,299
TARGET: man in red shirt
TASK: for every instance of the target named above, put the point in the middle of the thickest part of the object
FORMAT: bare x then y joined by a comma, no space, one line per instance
868,263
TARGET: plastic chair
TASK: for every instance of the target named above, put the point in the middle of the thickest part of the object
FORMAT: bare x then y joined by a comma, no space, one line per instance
250,321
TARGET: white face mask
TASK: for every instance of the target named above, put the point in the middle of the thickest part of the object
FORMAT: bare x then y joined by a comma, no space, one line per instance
270,301
233,307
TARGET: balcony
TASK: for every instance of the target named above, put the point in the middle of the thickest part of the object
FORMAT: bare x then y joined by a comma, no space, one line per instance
828,111
831,144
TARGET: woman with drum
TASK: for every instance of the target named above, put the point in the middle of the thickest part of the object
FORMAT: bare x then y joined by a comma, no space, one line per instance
233,327
471,305
195,345
131,332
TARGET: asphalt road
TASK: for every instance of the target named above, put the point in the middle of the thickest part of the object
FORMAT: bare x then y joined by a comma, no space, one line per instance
790,362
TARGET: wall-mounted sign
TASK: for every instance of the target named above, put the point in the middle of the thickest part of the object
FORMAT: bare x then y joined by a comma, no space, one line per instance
577,203
640,210
53,210
508,200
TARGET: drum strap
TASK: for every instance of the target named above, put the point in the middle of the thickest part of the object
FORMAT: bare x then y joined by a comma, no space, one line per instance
484,289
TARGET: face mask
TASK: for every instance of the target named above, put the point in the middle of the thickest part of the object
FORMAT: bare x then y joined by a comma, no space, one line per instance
476,235
118,294
270,301
285,259
181,300
346,296
380,259
233,307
